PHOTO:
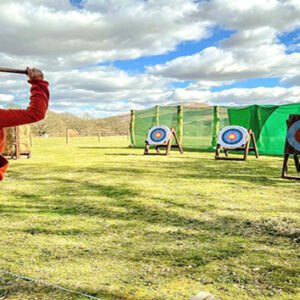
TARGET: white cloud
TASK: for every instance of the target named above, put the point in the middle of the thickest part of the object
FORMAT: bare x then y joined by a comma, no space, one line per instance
245,55
68,43
239,96
261,95
4,99
100,87
220,65
62,36
253,51
250,15
292,79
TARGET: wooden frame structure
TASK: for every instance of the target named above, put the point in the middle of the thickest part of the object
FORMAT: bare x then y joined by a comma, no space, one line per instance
250,145
16,151
168,145
290,150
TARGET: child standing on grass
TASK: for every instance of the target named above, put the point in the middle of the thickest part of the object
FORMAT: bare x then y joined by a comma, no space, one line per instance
34,112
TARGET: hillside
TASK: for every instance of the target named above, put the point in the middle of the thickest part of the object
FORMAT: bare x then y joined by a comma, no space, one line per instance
55,124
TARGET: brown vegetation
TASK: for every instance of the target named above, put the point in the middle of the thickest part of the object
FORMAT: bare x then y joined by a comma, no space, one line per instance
55,124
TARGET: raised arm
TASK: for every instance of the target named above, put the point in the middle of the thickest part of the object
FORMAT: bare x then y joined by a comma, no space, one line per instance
37,107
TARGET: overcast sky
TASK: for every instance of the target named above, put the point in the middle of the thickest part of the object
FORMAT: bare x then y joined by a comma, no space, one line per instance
106,57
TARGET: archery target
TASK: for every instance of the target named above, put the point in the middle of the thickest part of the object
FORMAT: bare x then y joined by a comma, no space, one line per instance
158,135
293,135
233,137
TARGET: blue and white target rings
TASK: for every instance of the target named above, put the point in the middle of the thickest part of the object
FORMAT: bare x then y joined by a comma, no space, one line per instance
232,137
293,135
158,135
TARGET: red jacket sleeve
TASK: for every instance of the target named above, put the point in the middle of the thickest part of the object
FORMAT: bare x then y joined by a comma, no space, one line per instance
34,112
14,117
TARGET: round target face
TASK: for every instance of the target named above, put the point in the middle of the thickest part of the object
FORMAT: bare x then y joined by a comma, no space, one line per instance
233,137
158,135
293,135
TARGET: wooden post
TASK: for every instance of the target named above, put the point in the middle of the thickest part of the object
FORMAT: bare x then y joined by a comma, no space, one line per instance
31,142
285,166
180,123
156,115
99,136
216,126
131,128
67,136
17,134
169,145
297,163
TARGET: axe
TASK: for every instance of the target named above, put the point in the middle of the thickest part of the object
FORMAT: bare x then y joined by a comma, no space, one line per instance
7,70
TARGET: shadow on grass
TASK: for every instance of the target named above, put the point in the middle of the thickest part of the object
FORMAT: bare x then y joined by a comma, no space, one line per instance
257,171
217,239
123,154
201,169
99,147
124,203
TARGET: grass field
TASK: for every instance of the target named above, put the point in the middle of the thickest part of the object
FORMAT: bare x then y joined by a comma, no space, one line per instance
105,220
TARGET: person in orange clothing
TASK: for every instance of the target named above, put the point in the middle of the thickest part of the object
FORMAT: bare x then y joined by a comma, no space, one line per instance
34,112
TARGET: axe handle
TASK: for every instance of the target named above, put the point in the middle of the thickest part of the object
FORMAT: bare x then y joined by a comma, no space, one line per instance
7,70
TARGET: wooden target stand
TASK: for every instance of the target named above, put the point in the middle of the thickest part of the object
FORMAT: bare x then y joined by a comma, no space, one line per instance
250,145
16,152
292,146
168,145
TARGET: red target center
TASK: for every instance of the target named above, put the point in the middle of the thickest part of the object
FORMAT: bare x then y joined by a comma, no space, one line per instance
158,135
297,136
232,136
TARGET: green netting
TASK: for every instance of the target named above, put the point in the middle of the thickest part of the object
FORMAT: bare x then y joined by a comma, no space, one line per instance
201,124
168,116
253,117
198,125
273,133
197,128
267,122
144,119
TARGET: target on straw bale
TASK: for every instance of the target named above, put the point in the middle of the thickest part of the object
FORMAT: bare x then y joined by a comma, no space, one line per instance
18,142
292,145
236,138
161,136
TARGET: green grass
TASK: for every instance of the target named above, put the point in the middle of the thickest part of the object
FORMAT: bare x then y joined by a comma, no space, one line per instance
106,220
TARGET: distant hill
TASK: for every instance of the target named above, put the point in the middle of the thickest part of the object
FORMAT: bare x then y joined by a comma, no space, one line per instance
56,124
117,125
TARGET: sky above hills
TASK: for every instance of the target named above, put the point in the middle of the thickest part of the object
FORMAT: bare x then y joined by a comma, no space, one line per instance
105,57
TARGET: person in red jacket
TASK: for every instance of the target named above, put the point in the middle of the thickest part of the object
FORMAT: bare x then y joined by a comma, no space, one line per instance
34,112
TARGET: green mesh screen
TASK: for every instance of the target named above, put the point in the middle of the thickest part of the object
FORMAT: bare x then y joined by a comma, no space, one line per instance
224,121
253,117
197,128
144,120
273,133
168,116
200,125
267,122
